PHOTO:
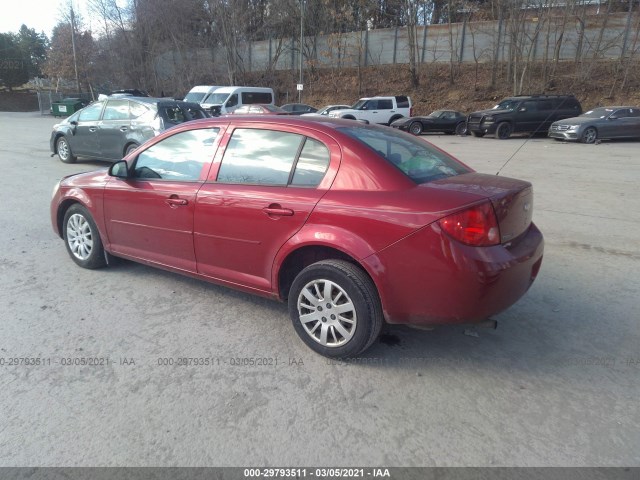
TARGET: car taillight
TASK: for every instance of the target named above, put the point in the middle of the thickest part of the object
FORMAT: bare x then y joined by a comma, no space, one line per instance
477,226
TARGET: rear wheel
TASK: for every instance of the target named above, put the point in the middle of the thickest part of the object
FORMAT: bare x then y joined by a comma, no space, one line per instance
461,128
415,128
504,131
82,238
335,308
590,135
64,151
130,148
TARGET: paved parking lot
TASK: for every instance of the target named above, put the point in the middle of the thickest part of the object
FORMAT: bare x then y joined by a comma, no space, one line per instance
556,384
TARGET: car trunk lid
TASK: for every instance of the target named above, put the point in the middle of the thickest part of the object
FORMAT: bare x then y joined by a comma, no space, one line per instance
512,199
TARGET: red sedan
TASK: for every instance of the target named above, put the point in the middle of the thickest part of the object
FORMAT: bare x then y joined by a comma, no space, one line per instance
351,224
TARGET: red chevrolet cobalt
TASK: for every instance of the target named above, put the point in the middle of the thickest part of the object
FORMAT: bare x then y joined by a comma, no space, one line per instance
351,224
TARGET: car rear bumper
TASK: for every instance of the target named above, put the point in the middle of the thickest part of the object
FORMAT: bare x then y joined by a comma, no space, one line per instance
430,279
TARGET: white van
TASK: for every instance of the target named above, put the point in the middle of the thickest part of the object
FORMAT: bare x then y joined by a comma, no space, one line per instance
227,99
200,93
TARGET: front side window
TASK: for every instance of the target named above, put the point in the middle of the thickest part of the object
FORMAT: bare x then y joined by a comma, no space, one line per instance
179,157
415,158
259,157
233,100
256,97
91,113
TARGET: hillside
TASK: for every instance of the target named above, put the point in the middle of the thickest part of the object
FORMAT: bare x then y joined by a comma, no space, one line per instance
469,91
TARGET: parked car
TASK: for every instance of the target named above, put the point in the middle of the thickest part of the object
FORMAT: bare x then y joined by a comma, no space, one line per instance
382,110
298,108
351,224
523,114
446,121
134,92
259,109
112,128
599,123
326,110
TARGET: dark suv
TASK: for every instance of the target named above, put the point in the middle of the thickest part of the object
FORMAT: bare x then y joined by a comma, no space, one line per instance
523,114
111,128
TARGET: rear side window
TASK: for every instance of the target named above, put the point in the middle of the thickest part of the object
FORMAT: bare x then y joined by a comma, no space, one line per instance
415,158
116,110
402,101
256,97
312,164
137,110
269,157
259,157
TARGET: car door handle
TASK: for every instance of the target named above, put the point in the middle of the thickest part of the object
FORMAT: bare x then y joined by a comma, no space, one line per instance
124,129
277,210
93,129
174,201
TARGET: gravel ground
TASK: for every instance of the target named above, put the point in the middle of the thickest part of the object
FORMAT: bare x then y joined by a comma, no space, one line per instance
554,385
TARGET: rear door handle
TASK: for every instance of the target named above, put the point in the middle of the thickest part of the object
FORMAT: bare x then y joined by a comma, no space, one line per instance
277,210
124,129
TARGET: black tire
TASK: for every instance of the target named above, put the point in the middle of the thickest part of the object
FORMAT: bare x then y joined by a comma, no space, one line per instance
461,129
64,151
504,131
477,134
590,135
415,128
130,148
82,238
354,291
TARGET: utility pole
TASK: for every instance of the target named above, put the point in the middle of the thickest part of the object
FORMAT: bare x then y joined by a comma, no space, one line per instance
300,84
73,44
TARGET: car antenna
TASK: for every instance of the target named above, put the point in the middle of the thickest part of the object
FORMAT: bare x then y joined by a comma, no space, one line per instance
534,132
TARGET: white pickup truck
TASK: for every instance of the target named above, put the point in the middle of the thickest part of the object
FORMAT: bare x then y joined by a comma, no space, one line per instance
382,110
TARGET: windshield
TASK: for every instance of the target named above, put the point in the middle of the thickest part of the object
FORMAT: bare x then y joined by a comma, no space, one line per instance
415,158
358,105
507,105
598,113
194,97
435,114
217,98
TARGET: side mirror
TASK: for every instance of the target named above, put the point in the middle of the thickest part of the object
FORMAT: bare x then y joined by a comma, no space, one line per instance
73,122
119,170
522,109
613,117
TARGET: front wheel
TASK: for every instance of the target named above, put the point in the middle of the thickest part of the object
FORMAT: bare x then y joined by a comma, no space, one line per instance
590,135
82,238
64,151
415,128
504,131
335,308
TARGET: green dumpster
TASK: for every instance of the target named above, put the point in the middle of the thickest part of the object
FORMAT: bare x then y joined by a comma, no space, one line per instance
66,107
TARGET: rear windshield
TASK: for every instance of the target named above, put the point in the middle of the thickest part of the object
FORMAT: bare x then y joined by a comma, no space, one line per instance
414,157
